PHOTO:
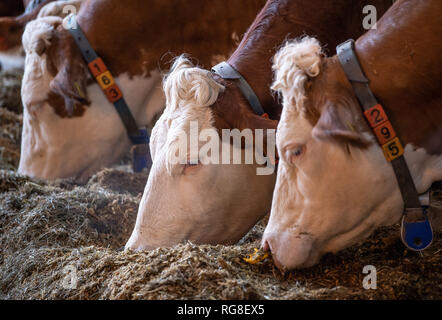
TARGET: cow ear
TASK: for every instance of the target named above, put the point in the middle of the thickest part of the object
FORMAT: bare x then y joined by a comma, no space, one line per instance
70,83
340,123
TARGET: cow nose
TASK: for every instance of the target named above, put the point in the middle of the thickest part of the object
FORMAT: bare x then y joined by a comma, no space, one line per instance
289,250
136,243
267,246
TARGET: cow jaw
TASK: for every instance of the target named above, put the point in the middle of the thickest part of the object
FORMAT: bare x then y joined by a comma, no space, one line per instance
333,197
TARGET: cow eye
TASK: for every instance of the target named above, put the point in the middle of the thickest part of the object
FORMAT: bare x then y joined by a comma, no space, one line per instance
293,152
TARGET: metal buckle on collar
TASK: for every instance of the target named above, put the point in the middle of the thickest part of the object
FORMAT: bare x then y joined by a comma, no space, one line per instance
416,233
140,151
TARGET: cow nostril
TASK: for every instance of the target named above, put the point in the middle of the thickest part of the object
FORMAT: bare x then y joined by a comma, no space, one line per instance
265,246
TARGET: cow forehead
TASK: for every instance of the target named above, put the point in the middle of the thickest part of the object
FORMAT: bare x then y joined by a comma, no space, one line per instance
293,127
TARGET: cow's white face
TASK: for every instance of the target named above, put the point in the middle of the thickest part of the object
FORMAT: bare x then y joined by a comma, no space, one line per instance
211,203
329,194
56,147
203,203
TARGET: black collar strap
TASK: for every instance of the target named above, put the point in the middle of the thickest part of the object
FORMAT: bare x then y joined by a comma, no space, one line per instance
226,71
416,229
138,136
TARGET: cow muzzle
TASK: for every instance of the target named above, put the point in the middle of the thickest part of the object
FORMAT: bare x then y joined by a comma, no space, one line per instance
290,250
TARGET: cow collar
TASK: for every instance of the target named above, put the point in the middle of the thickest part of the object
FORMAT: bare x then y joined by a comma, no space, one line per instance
138,136
416,231
227,72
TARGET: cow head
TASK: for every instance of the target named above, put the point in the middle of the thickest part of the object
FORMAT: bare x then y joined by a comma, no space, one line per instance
334,186
186,196
69,127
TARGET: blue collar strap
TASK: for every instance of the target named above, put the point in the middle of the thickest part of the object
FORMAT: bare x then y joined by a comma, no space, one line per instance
138,137
416,231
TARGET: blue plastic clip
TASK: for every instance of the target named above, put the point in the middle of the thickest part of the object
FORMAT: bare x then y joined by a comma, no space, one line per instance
417,235
140,151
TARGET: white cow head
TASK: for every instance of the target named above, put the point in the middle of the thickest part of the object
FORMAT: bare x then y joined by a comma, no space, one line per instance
334,186
66,132
195,200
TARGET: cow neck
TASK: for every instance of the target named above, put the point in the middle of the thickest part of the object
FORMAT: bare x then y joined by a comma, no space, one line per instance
136,39
416,228
403,80
138,136
279,20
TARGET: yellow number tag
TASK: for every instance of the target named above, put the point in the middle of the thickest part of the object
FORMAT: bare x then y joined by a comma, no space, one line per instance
105,80
393,149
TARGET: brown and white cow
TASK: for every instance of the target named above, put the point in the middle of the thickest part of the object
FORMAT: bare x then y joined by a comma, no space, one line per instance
12,27
219,203
69,128
334,186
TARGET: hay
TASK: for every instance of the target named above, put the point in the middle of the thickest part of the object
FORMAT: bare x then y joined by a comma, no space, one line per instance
10,85
10,138
47,229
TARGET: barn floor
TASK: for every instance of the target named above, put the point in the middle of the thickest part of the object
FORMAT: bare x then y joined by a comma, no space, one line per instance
50,229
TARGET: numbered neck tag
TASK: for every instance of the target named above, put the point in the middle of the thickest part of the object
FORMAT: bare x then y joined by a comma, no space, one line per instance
105,80
138,136
416,228
384,132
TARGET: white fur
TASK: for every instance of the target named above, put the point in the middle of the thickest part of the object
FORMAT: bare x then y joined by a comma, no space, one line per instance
329,198
206,203
55,147
293,64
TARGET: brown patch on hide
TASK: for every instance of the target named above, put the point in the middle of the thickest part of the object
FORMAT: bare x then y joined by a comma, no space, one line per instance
12,27
131,37
403,83
71,77
282,20
276,22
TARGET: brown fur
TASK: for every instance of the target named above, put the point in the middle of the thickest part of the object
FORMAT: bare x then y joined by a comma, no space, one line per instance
402,60
135,37
12,27
279,20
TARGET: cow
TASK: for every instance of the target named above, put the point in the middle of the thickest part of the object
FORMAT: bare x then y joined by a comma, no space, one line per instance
219,203
334,185
12,26
69,127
